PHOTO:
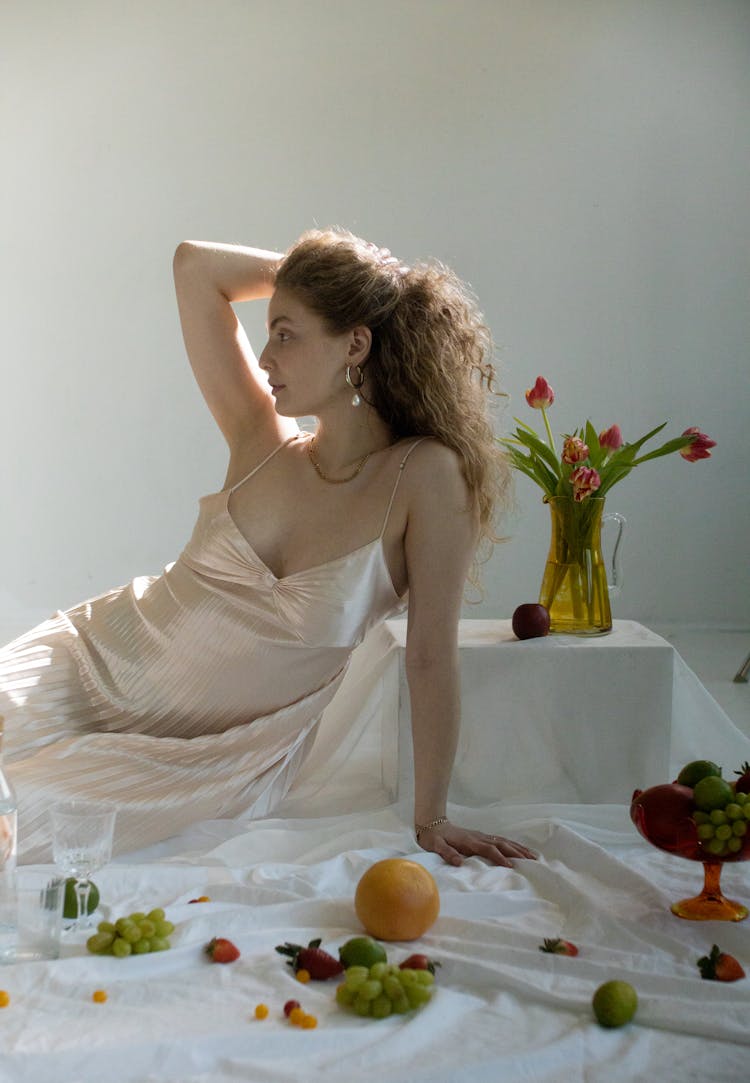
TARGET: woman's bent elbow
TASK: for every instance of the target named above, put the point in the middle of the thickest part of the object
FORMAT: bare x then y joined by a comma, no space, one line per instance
184,256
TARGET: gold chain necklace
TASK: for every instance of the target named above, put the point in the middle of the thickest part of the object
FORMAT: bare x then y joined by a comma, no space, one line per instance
335,481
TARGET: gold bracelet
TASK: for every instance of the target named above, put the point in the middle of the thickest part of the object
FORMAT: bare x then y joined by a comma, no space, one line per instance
419,828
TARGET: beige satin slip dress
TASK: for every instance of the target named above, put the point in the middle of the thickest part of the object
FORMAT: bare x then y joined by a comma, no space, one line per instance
188,696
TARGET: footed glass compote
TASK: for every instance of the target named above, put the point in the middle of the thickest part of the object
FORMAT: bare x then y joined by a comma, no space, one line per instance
663,816
711,904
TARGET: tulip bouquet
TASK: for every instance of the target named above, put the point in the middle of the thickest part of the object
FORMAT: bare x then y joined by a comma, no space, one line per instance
575,589
588,463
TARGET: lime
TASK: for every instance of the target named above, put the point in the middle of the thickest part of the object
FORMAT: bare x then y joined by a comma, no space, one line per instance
696,770
614,1003
711,793
362,951
70,904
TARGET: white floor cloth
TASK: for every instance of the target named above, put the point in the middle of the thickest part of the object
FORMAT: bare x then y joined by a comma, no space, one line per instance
502,1010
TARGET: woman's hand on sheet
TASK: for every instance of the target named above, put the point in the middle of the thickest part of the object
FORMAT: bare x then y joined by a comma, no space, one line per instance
454,843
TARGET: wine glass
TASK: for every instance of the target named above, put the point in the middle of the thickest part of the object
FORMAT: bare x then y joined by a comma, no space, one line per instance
81,843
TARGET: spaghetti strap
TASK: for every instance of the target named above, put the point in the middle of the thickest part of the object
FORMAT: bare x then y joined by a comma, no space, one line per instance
401,466
263,462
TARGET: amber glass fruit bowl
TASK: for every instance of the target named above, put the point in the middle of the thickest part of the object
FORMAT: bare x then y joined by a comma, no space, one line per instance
675,832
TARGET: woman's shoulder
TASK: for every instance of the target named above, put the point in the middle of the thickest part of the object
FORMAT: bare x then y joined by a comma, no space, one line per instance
257,448
433,475
428,454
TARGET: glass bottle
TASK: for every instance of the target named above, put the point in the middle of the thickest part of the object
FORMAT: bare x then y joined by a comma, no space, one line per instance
8,839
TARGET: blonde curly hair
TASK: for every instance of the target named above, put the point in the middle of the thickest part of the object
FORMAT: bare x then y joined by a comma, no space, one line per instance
429,371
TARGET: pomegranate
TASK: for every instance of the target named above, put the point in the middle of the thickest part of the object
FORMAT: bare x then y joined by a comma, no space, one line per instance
663,815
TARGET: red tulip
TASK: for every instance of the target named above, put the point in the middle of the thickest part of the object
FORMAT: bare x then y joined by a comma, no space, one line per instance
541,395
585,481
574,450
611,438
699,448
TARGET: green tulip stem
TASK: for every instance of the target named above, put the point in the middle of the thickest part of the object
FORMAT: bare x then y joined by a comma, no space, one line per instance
550,441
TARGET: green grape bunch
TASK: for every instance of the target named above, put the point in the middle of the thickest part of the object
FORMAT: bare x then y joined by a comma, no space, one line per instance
135,934
382,989
722,831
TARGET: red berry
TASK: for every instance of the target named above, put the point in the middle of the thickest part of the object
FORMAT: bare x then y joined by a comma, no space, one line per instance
319,964
222,950
719,966
559,947
418,962
290,1006
742,784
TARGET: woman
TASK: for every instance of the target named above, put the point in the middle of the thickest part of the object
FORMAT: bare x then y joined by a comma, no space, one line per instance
196,694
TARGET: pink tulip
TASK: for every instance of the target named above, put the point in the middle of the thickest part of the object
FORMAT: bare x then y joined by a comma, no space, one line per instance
699,449
541,395
611,438
574,450
585,481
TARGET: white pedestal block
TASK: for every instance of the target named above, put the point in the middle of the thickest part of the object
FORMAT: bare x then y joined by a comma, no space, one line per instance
563,718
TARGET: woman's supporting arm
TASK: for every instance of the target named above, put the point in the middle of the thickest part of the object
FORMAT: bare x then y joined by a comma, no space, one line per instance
440,541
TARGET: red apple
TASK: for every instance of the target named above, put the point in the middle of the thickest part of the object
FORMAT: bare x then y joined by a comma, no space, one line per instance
530,620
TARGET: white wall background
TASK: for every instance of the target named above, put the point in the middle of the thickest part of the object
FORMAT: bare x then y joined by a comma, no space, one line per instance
584,164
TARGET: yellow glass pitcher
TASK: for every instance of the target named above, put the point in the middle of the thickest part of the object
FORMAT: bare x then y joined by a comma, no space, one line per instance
577,584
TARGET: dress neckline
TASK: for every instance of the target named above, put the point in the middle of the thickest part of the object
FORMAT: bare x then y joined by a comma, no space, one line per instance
280,579
315,567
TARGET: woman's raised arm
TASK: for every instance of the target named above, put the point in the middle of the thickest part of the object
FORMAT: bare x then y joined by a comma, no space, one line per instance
208,278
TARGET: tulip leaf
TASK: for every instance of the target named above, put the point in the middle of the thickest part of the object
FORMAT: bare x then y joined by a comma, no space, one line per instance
532,441
543,466
611,477
666,449
523,425
644,439
596,452
532,467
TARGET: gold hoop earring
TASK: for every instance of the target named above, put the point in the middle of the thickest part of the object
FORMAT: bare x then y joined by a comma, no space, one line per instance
356,399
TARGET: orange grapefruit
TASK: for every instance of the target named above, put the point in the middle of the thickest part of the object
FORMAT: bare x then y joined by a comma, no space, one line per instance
397,899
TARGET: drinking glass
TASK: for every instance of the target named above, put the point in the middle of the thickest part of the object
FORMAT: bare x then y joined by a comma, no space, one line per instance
81,843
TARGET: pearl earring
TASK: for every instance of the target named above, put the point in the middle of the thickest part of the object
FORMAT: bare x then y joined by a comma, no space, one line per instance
356,399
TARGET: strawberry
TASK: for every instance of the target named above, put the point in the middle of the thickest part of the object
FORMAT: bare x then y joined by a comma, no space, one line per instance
559,947
221,950
742,784
418,962
318,963
718,966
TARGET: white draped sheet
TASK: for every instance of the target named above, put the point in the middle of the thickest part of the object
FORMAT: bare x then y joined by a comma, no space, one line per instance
502,1009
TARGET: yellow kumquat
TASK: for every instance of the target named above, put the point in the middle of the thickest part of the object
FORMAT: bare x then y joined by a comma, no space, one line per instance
303,976
261,1011
99,996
